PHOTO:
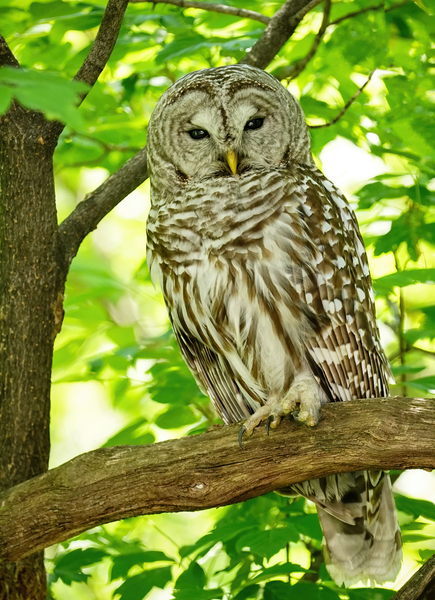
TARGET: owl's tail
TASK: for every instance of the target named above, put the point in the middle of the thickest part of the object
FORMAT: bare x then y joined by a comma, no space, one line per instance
361,535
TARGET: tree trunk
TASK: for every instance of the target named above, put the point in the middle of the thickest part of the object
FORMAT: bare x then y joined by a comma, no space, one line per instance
30,310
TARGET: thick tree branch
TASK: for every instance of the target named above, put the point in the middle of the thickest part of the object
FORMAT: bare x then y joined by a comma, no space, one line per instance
280,28
7,59
88,213
292,71
211,470
243,13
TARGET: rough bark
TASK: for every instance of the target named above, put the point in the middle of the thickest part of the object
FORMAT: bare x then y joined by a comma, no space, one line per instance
29,291
211,470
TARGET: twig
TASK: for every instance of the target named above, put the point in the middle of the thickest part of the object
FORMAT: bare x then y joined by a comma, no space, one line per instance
88,213
421,586
401,327
7,59
356,13
346,106
103,44
220,8
209,470
292,71
279,29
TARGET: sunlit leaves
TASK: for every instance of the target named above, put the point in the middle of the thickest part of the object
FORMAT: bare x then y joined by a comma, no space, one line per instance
41,91
69,566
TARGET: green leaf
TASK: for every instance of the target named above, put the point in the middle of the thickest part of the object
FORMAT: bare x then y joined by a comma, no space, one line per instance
6,95
278,570
51,93
248,593
122,563
189,593
277,590
426,554
375,192
191,579
177,416
370,594
415,507
404,278
68,566
131,435
138,586
426,384
402,369
268,543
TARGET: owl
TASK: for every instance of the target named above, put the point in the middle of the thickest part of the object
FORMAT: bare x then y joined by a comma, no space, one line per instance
265,278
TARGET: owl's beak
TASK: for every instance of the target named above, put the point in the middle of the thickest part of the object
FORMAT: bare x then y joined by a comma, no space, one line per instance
232,161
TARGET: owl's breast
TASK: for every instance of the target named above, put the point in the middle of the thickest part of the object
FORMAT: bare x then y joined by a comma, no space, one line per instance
223,217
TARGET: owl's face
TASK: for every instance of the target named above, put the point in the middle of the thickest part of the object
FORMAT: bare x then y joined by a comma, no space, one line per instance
221,122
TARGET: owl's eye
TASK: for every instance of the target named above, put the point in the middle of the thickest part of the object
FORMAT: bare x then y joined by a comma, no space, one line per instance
198,134
254,123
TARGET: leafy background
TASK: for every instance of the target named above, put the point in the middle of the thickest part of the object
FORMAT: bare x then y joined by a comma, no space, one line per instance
118,376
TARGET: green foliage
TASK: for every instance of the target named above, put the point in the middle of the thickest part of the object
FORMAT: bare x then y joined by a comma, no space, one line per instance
116,343
41,91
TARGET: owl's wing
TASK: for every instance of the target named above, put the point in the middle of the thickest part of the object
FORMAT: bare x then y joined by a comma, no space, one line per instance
214,377
334,285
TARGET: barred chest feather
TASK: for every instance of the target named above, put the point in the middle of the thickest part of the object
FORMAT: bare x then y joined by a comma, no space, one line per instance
239,263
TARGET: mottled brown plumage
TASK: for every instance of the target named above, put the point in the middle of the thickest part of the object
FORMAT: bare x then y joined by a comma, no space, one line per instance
267,285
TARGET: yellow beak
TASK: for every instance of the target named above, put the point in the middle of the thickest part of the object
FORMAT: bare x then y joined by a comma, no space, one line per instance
232,161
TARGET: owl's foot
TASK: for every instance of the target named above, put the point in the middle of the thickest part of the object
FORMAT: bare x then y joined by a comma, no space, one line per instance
303,401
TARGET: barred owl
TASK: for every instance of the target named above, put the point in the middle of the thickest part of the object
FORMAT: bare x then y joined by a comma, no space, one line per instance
267,286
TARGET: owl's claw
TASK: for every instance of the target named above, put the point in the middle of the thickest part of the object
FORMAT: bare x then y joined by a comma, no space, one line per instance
241,432
270,419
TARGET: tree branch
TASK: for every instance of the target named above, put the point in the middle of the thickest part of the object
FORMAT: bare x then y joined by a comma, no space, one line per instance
292,71
7,59
209,470
103,44
346,106
88,213
220,8
279,29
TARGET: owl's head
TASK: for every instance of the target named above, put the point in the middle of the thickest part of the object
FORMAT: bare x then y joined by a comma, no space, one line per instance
223,121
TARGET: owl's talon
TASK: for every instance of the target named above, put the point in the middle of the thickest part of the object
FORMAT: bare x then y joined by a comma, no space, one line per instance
270,420
241,432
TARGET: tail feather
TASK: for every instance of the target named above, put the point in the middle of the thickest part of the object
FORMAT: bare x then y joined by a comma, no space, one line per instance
369,550
361,535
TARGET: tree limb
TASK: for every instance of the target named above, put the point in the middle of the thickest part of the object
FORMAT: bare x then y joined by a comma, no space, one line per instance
421,586
209,470
279,29
346,106
103,44
293,70
88,213
220,8
7,59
